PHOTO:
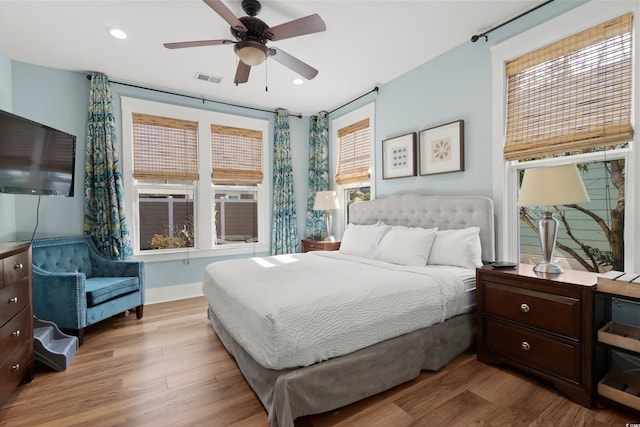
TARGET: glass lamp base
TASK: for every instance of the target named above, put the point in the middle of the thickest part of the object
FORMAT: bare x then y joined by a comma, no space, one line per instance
548,267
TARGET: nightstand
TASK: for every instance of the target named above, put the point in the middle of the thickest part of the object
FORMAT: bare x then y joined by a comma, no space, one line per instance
319,245
539,323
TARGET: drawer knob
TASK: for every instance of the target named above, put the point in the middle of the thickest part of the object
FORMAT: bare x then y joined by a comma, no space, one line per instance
525,346
18,266
16,367
15,333
13,300
524,308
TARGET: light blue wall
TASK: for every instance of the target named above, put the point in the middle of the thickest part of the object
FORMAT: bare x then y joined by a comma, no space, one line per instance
7,201
456,85
58,99
6,96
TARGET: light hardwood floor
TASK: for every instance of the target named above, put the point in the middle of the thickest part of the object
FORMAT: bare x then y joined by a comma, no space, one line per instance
170,369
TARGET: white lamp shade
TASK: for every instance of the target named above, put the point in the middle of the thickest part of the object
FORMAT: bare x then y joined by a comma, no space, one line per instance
556,185
325,201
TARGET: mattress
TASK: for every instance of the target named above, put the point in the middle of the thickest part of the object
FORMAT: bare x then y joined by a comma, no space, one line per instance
296,310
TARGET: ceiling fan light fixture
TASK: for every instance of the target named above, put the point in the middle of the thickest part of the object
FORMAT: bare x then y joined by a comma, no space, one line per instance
251,52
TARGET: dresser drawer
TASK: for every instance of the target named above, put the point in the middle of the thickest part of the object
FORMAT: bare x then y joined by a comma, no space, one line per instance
549,312
16,267
13,298
538,351
15,369
15,333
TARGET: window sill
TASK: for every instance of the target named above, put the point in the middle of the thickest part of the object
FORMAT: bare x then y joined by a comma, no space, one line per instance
242,249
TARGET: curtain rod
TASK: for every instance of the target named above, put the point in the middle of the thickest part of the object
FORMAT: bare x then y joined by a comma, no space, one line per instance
193,97
375,89
475,37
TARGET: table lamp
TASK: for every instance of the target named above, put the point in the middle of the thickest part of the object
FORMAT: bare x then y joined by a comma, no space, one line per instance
326,201
550,186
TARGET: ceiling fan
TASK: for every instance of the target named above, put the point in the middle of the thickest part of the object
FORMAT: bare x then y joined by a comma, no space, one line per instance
252,35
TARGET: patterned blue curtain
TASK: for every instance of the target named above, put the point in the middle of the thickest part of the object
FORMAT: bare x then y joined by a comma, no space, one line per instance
104,216
318,173
284,230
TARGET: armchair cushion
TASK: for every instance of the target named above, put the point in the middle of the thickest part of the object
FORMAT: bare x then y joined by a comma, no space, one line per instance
101,289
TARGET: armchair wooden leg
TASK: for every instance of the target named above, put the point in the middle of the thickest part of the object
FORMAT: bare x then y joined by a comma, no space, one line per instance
139,311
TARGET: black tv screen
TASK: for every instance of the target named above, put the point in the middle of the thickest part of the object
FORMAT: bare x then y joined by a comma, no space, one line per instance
34,158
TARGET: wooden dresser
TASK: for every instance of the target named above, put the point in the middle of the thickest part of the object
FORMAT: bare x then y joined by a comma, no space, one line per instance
16,318
540,323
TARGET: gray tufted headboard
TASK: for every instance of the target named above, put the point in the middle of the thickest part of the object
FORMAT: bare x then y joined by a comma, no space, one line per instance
444,212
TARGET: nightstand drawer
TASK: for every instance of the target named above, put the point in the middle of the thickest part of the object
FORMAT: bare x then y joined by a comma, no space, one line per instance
549,312
319,245
545,354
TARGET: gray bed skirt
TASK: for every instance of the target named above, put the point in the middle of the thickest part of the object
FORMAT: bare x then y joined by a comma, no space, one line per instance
291,393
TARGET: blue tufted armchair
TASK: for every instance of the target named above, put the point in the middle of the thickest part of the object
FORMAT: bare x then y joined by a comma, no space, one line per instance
75,286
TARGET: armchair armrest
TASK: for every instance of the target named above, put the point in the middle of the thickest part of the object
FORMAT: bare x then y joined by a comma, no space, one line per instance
60,297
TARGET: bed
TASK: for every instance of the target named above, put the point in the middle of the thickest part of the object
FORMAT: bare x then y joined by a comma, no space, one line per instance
316,331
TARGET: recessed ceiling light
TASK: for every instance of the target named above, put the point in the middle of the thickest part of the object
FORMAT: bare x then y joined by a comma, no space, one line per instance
117,33
297,81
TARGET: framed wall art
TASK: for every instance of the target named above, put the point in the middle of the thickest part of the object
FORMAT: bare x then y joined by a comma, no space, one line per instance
441,149
398,156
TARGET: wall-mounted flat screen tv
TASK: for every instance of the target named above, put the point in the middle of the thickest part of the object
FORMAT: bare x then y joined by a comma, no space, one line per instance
34,158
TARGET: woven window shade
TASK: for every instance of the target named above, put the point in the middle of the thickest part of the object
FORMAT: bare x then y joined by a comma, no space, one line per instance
164,148
354,153
572,95
236,155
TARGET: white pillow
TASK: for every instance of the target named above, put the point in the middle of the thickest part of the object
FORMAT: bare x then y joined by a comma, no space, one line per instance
461,248
362,240
406,245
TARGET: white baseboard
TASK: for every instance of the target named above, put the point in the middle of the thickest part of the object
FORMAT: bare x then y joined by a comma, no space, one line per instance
172,293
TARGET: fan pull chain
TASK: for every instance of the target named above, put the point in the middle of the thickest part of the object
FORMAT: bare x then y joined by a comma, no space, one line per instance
266,76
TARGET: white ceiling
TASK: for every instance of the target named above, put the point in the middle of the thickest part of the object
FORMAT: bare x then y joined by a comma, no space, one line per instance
367,43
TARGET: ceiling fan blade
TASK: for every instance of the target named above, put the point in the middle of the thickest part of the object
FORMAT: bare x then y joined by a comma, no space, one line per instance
197,43
242,73
226,14
298,27
306,71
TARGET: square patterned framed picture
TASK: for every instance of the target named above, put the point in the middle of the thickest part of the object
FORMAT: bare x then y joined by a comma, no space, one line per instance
399,156
441,149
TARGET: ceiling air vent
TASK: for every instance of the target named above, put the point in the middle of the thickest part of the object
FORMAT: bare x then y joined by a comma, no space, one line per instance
208,78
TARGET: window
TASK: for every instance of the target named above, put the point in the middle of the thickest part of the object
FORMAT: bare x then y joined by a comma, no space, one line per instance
166,217
568,101
236,156
353,138
196,180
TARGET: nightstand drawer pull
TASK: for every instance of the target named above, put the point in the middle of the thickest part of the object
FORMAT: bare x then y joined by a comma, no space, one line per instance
18,266
16,333
524,308
525,346
13,300
16,367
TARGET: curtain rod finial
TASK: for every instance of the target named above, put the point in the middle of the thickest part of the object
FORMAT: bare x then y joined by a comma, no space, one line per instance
475,37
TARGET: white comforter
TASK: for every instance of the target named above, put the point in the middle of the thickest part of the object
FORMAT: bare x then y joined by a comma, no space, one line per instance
296,310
